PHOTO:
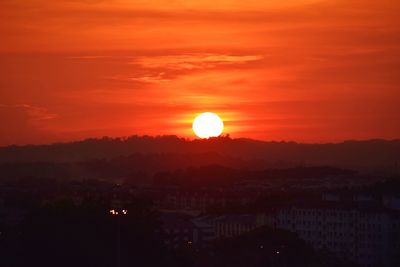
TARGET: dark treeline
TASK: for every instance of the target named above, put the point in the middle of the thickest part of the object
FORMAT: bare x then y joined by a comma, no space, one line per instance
66,234
216,175
137,168
161,170
368,155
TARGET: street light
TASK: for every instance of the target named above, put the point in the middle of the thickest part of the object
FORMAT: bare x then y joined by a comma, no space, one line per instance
118,213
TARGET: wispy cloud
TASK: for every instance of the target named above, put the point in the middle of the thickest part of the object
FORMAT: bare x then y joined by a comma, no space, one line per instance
159,77
165,68
194,61
34,113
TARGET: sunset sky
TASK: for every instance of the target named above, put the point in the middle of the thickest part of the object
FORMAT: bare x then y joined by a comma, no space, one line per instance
301,70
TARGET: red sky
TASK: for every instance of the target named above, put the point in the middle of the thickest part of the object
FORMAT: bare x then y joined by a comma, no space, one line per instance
302,70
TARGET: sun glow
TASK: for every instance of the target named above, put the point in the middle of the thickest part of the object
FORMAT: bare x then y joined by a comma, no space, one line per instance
208,125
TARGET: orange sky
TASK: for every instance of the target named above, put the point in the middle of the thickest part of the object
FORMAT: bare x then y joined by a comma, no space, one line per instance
302,70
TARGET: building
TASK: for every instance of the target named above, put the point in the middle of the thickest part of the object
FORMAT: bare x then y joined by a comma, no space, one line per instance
183,231
369,237
201,200
234,225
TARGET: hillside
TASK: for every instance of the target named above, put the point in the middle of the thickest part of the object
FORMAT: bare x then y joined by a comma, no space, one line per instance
370,155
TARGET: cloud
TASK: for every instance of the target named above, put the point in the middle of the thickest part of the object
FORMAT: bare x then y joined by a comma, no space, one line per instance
165,68
34,113
150,78
194,61
23,123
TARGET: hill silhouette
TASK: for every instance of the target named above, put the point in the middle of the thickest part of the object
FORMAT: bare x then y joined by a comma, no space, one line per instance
369,155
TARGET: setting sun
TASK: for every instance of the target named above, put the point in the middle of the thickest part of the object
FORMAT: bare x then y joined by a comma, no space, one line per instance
208,125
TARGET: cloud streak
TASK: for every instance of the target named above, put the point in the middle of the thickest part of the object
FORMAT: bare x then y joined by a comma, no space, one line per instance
193,62
34,113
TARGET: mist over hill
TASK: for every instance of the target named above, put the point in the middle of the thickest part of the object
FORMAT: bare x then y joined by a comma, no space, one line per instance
370,155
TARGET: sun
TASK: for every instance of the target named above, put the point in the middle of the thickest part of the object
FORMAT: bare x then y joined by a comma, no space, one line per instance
208,125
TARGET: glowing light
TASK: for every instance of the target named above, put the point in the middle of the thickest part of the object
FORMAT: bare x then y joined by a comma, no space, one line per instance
115,212
208,125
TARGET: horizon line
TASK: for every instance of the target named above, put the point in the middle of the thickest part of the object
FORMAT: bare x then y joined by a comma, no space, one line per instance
186,139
